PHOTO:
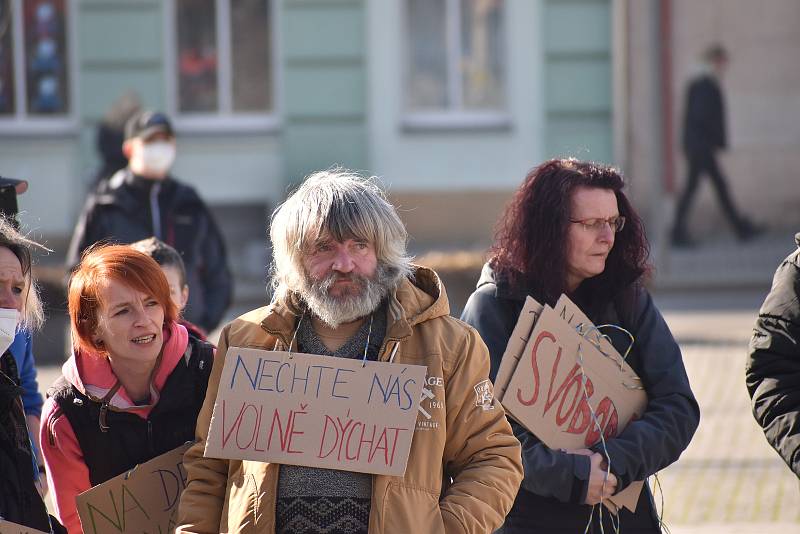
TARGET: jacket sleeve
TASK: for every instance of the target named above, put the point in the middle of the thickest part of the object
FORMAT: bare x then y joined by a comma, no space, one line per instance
773,365
548,472
86,233
481,454
200,508
67,474
22,349
494,319
215,275
665,429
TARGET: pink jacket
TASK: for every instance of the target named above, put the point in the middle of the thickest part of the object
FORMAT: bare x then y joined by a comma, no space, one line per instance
67,474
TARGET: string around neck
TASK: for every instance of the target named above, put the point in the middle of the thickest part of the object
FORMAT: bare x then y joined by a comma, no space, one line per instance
366,346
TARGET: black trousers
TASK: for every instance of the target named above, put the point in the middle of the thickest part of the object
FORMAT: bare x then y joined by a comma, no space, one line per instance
704,162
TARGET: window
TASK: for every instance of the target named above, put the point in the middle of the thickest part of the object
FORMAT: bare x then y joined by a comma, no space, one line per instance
224,61
34,60
455,58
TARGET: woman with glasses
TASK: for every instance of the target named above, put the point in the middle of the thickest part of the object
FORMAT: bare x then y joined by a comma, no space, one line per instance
570,229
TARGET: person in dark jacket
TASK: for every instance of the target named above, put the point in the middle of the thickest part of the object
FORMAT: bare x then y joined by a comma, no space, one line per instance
22,346
134,385
20,307
773,364
570,229
704,134
111,136
144,200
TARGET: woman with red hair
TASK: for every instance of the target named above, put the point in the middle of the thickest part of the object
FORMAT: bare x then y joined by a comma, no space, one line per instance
134,384
570,229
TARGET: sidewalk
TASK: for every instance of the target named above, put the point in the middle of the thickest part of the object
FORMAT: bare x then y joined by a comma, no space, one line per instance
722,262
729,480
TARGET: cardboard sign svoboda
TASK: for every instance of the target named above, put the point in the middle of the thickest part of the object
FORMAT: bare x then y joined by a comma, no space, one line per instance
317,411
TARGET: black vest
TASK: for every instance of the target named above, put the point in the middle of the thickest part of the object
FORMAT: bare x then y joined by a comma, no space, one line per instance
126,439
19,499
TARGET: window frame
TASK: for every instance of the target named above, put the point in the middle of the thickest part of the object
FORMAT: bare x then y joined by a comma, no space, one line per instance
225,120
454,116
23,123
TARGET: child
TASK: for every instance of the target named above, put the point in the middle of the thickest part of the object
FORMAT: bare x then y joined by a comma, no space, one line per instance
172,265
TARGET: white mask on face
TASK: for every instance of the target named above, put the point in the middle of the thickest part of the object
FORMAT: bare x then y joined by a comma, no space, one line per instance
157,157
9,318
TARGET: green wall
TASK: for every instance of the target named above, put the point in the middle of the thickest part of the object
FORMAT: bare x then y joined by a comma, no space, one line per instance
324,85
120,48
577,79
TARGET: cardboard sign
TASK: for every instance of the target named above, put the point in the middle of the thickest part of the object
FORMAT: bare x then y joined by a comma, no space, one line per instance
546,392
516,344
7,527
575,317
317,411
145,499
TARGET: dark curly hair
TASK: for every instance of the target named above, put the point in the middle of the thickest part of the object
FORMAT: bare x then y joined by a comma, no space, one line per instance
529,252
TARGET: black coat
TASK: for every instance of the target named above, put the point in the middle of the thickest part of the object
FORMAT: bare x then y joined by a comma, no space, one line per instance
555,482
128,439
119,211
704,120
773,364
19,499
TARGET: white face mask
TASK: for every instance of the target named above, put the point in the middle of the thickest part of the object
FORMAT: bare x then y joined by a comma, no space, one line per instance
156,158
9,318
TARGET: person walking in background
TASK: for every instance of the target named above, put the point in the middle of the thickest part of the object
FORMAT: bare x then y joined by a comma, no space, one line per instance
773,362
704,135
144,200
134,384
344,286
570,229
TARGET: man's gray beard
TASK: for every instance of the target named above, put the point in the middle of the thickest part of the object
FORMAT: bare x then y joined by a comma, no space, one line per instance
355,303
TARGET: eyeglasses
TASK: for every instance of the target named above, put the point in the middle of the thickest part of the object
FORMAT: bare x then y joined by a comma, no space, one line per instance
597,225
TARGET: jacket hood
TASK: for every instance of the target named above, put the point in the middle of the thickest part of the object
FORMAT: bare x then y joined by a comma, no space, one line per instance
502,288
421,298
487,276
91,373
416,299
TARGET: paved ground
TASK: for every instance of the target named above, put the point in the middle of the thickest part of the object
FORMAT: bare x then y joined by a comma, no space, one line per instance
729,479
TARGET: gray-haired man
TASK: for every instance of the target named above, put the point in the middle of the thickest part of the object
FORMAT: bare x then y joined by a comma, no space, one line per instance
343,282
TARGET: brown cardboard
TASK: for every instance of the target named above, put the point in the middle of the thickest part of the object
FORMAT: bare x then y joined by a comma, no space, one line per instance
546,395
7,527
318,411
516,344
574,316
145,499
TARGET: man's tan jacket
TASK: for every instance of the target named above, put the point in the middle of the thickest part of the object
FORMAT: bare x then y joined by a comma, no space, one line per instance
464,468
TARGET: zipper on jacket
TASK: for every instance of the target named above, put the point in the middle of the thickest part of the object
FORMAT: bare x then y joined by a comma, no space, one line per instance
278,335
150,436
51,437
388,350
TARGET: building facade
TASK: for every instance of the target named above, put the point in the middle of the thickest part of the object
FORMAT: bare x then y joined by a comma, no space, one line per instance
449,101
